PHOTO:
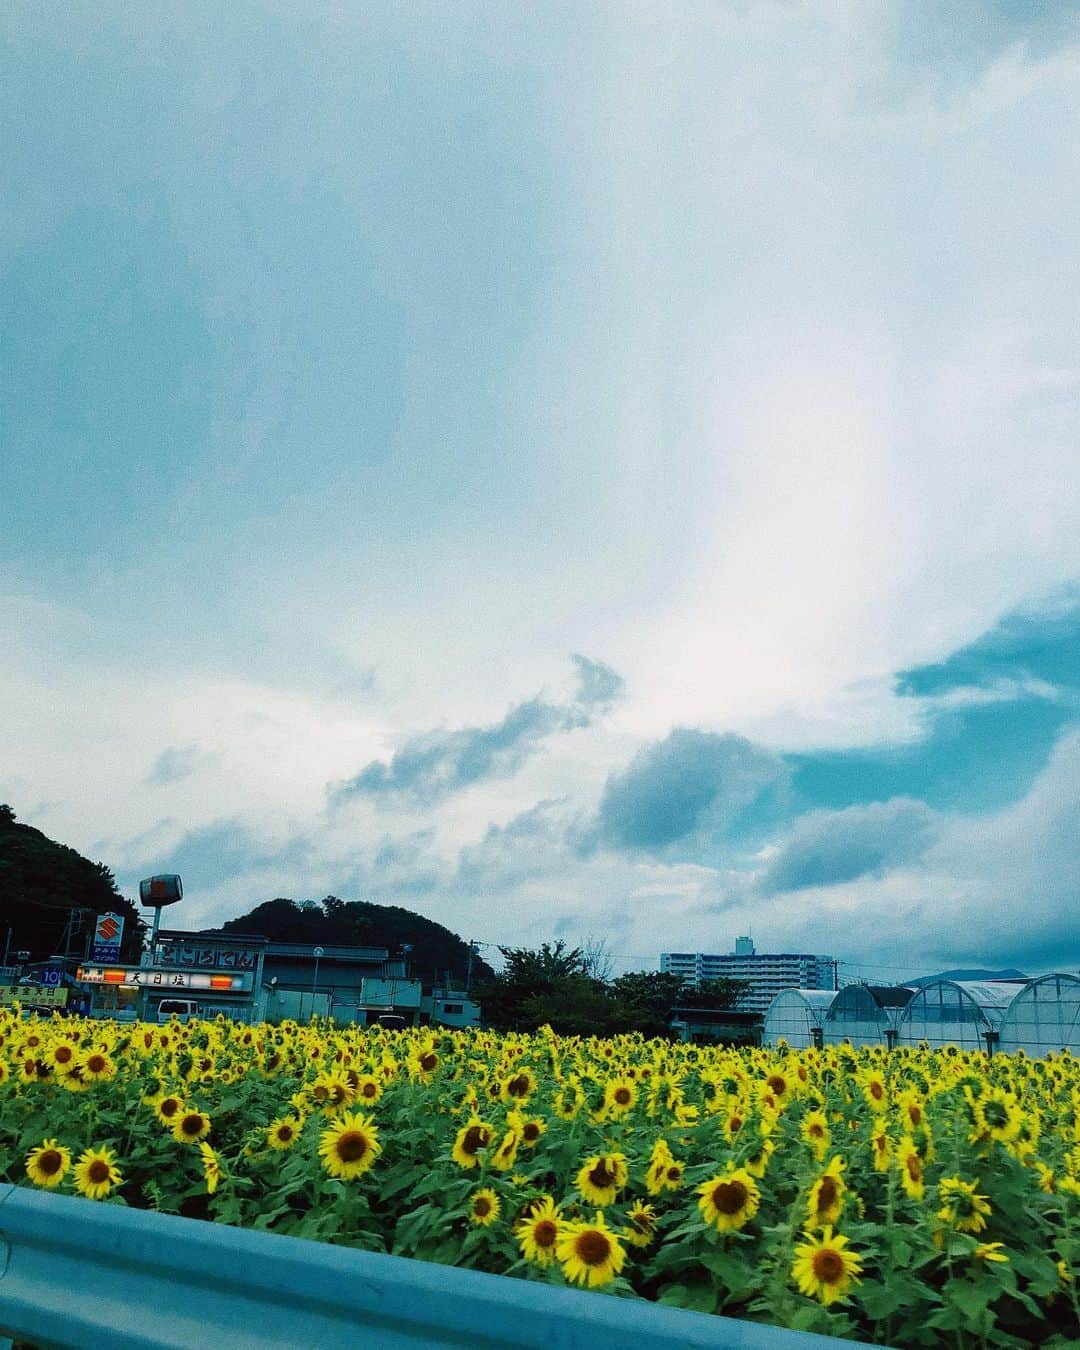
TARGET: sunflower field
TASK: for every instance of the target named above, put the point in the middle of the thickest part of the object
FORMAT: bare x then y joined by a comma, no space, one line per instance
911,1197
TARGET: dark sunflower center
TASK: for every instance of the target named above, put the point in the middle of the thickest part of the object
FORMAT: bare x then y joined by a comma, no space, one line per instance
531,1132
475,1139
170,1106
600,1177
735,1123
98,1171
95,1063
915,1115
914,1167
592,1247
828,1265
622,1096
729,1197
816,1130
192,1124
429,1062
777,1084
482,1207
285,1133
518,1086
368,1090
545,1233
674,1173
50,1162
352,1146
877,1091
827,1193
63,1055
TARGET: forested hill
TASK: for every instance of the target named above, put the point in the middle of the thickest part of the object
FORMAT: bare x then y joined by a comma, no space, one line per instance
43,882
435,949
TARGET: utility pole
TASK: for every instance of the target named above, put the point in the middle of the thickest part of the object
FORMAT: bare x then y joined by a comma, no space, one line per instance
468,967
7,946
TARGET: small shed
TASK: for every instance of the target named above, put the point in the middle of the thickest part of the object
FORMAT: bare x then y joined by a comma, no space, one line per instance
1043,1017
796,1016
967,1013
865,1014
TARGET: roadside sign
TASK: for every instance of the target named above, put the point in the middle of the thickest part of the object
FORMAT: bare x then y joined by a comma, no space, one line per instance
108,931
50,979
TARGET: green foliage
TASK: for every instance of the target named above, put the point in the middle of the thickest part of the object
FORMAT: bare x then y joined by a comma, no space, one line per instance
436,951
43,882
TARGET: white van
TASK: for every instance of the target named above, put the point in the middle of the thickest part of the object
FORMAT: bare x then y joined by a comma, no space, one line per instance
183,1009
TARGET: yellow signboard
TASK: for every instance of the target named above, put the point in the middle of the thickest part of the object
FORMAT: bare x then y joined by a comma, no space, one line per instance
27,994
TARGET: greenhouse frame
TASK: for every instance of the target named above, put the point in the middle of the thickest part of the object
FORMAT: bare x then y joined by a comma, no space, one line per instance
958,1012
1043,1018
796,1016
865,1014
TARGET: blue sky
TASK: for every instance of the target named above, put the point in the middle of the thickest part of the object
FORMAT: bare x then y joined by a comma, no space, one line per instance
594,470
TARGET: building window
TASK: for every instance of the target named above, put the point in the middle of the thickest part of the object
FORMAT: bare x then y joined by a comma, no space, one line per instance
453,1007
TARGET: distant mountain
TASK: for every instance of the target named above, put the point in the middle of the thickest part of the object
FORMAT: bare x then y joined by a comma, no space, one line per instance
49,895
974,974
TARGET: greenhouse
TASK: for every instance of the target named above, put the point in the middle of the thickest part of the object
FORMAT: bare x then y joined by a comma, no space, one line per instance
1043,1017
865,1014
953,1012
796,1016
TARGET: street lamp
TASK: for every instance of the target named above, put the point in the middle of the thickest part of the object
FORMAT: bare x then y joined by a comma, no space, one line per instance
315,979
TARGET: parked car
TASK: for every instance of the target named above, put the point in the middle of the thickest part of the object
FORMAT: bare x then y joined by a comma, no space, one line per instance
183,1009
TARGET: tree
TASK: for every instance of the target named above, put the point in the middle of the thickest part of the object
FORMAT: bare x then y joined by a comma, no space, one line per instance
721,993
49,895
648,997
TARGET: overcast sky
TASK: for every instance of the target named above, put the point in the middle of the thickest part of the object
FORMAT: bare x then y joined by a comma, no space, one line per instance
572,470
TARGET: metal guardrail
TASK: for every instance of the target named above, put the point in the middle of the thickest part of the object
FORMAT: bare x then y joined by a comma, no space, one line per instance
76,1273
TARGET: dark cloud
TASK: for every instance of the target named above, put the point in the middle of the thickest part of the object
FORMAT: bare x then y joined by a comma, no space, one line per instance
829,847
1028,645
436,764
218,852
532,844
597,683
992,713
173,764
691,781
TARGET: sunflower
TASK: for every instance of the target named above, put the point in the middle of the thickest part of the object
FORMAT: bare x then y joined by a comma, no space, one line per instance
190,1126
990,1251
758,1163
96,1173
730,1200
471,1138
875,1090
826,1199
167,1108
505,1155
590,1253
911,1168
602,1176
538,1232
815,1132
367,1089
63,1056
484,1207
823,1267
349,1146
880,1141
212,1169
640,1224
961,1207
519,1087
998,1115
98,1066
47,1164
620,1096
283,1133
